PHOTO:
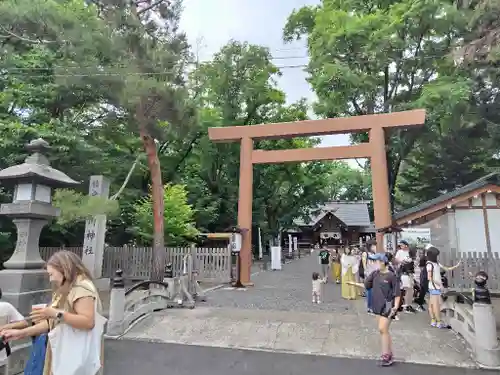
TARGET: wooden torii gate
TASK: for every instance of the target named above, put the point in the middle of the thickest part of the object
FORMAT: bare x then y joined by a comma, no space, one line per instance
375,149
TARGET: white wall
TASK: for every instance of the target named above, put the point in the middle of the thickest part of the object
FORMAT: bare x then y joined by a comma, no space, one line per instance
494,226
470,230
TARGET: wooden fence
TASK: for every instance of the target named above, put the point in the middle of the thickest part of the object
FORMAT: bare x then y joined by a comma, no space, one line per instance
471,263
213,264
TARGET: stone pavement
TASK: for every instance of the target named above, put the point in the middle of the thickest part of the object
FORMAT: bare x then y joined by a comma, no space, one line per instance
277,315
135,357
287,290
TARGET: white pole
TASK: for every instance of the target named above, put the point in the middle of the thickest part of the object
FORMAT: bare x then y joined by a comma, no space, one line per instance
260,245
290,244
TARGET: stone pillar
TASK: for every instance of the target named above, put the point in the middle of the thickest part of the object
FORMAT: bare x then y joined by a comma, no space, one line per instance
95,230
117,306
487,347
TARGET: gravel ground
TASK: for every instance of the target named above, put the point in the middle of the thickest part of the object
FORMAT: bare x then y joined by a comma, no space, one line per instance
288,289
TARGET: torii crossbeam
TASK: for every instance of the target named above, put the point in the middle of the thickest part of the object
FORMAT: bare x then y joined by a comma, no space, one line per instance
375,149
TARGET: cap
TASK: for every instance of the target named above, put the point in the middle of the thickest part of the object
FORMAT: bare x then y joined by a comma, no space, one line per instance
404,242
378,256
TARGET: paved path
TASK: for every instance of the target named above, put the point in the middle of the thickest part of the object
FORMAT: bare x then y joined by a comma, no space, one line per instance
287,290
136,357
347,334
277,315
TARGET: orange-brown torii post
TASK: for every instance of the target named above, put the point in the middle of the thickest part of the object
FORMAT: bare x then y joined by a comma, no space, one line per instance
375,149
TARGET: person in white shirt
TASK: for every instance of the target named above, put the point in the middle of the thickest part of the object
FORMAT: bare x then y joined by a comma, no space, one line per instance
9,318
402,261
402,253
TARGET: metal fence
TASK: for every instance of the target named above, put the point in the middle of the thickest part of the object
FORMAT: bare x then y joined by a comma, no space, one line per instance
213,264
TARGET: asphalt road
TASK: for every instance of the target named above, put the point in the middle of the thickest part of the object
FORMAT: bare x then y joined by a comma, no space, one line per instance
128,357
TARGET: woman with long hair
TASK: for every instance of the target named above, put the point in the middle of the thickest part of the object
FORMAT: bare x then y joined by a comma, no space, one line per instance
75,301
349,264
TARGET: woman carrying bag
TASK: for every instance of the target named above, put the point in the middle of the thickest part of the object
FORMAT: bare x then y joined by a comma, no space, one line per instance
72,323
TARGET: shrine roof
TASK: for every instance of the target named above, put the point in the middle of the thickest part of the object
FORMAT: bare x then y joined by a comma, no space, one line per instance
352,213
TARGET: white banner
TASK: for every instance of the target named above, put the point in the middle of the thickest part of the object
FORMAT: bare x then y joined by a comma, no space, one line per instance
416,236
334,235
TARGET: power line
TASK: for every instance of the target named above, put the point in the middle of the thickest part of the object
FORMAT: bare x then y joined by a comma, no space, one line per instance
124,74
126,66
19,70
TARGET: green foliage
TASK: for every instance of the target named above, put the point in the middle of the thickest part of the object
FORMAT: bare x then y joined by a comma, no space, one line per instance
178,218
77,207
377,56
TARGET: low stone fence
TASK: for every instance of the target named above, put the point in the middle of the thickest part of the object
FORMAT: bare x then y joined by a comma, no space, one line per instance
475,322
128,306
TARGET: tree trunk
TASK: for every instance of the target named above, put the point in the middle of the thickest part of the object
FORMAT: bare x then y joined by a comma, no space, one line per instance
159,253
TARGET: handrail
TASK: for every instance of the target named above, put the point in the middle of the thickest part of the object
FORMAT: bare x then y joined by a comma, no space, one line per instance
145,285
461,295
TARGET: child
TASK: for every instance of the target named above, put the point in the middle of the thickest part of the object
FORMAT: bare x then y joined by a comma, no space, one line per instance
407,270
386,293
10,318
316,287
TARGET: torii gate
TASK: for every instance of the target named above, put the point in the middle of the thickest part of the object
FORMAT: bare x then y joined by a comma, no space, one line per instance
375,149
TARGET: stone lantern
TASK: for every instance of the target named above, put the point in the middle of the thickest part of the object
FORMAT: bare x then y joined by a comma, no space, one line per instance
24,280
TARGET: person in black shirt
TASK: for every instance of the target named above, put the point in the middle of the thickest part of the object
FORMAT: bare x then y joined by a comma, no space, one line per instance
386,295
324,259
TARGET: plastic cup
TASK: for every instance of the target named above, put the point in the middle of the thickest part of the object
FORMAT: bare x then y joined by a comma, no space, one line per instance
38,306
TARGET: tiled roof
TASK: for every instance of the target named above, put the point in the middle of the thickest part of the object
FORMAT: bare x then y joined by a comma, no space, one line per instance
351,213
491,179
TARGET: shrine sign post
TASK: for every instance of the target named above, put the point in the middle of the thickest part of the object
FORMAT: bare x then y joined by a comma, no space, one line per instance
375,150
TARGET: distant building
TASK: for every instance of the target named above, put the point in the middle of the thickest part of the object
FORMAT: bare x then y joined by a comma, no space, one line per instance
335,223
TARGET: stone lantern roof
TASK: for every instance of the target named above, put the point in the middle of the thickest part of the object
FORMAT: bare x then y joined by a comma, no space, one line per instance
36,168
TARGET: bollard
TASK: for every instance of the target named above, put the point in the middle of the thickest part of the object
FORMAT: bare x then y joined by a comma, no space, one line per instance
487,348
117,306
168,277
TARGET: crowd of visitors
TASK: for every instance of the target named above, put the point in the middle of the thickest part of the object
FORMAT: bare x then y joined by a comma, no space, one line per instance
405,281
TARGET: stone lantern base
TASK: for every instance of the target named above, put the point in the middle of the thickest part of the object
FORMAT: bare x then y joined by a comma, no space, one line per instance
24,288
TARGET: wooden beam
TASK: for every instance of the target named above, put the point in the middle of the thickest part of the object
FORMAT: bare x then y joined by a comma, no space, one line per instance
341,125
309,154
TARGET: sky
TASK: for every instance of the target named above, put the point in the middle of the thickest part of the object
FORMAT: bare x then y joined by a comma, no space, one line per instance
210,24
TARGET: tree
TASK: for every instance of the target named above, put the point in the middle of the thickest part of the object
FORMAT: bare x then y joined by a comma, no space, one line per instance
375,57
128,56
347,183
238,87
178,217
483,41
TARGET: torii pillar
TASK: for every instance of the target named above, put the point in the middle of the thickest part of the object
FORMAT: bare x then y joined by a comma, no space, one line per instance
375,149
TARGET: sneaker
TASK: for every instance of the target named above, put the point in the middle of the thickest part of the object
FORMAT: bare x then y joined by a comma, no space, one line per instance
370,312
318,302
386,360
420,308
395,317
433,323
442,325
409,310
